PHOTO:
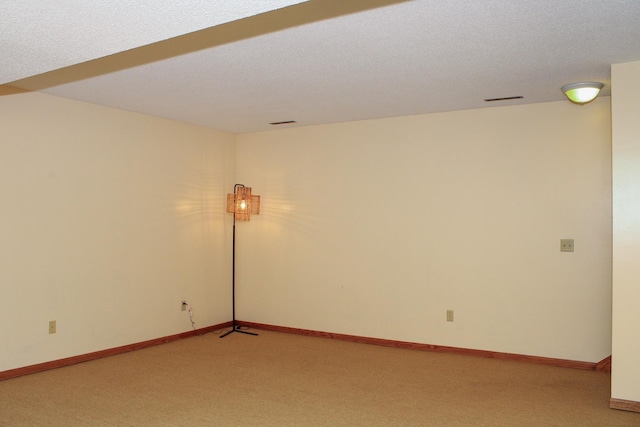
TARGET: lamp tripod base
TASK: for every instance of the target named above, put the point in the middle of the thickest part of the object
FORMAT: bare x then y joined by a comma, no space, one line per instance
236,328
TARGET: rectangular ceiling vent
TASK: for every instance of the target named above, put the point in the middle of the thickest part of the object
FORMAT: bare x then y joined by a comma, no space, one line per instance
283,123
508,98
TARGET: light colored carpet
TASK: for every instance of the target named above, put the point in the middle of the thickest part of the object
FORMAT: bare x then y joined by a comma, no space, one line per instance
279,379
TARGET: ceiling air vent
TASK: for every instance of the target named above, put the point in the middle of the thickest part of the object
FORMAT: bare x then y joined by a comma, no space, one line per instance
508,98
283,123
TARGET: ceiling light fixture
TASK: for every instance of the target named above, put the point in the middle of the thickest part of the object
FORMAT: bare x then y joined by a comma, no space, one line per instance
582,93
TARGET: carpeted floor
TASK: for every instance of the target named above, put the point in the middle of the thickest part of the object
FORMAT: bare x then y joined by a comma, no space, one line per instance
279,379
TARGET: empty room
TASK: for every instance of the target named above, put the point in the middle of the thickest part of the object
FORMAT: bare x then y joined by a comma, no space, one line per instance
322,212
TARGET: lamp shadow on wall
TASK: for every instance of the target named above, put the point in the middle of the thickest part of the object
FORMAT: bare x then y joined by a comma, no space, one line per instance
282,207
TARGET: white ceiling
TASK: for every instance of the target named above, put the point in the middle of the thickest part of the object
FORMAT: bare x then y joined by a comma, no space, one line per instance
238,68
42,35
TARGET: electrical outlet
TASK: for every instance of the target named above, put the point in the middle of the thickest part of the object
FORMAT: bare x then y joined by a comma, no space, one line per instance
566,245
449,315
52,326
183,305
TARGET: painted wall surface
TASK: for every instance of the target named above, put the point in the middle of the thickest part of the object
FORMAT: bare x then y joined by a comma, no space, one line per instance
376,228
108,220
625,374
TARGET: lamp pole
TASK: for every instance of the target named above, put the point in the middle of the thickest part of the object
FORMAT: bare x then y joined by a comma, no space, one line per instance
234,326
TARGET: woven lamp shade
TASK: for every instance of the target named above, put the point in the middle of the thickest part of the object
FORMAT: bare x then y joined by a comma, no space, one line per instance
243,204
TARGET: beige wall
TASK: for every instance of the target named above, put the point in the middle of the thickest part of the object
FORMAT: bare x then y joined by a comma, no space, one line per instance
625,376
108,220
376,228
370,228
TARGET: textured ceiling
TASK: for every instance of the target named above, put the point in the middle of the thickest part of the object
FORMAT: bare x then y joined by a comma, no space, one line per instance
43,35
322,61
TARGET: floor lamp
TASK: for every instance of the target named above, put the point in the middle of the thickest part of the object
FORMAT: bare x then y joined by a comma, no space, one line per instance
242,205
